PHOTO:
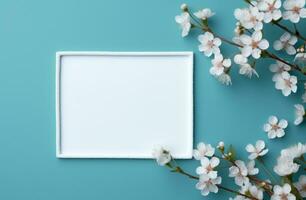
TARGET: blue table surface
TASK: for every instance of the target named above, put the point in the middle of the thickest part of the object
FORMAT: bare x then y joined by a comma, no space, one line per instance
31,31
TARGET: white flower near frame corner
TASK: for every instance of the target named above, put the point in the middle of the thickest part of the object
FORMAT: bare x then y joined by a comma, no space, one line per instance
250,18
286,83
278,68
285,162
286,42
209,44
252,170
203,150
253,45
257,150
184,21
239,171
219,64
301,185
245,68
294,10
275,128
161,155
225,79
282,192
204,14
207,167
299,114
207,185
271,9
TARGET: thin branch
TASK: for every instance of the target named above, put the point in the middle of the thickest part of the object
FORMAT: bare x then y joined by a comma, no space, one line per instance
288,30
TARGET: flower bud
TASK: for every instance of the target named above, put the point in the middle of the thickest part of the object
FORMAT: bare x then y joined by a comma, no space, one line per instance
221,145
184,7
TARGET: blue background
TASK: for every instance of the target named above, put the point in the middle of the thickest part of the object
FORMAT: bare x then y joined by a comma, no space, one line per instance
31,31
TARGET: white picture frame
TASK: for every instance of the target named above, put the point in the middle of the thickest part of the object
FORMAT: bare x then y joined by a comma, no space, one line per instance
149,104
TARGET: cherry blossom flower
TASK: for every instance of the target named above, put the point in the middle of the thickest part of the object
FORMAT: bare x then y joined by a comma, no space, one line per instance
256,151
224,78
239,171
253,45
294,10
161,155
204,14
286,42
278,68
207,185
184,21
286,83
301,185
275,128
219,65
245,68
252,170
271,9
209,44
207,167
203,150
285,162
250,18
299,114
250,190
281,193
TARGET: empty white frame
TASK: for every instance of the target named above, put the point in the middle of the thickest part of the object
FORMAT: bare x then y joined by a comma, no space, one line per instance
123,104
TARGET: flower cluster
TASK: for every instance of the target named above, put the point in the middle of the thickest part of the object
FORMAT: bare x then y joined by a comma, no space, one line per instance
287,52
250,185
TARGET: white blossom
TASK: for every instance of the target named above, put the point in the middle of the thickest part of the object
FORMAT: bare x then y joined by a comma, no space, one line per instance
271,9
209,44
184,21
239,171
275,128
252,170
256,151
161,155
278,68
224,78
203,150
301,185
253,45
294,10
250,18
207,185
282,193
287,42
286,83
219,64
207,167
204,14
250,190
299,114
245,68
285,163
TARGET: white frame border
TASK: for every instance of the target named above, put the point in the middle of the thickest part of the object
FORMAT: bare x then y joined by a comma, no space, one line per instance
59,54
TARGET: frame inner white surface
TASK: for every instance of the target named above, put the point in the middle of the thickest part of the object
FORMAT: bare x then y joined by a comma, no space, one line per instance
123,104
